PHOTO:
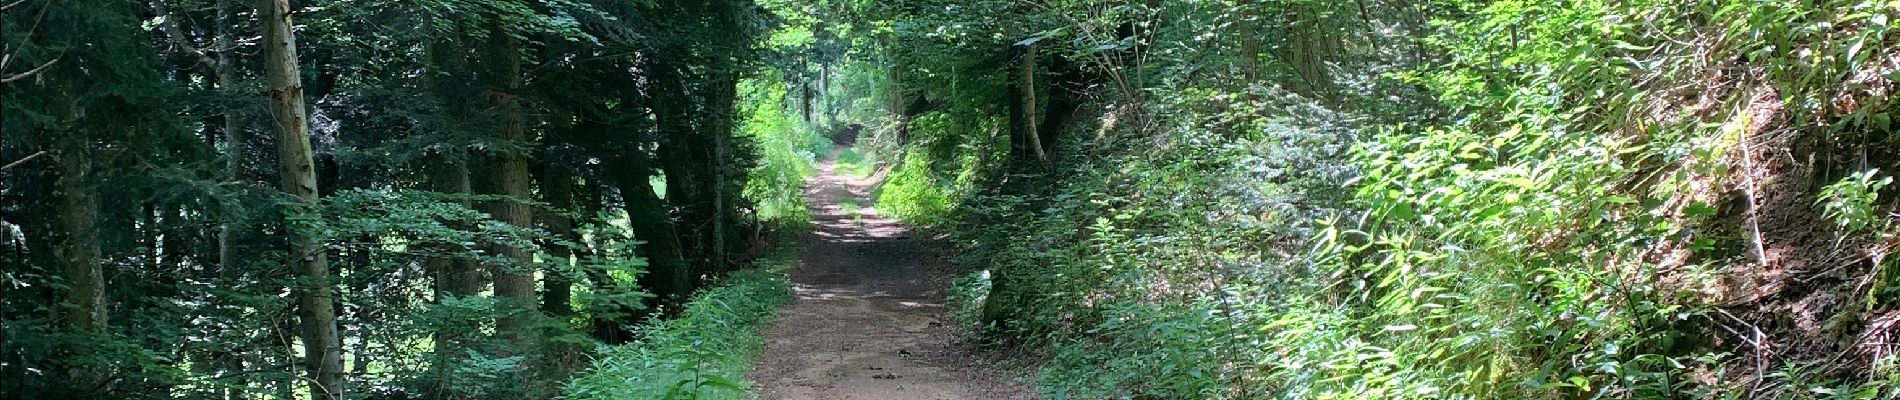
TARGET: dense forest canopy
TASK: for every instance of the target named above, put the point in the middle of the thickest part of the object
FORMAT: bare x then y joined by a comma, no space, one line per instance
506,199
356,200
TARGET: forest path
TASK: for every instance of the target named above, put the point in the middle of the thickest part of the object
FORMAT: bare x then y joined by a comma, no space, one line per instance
868,321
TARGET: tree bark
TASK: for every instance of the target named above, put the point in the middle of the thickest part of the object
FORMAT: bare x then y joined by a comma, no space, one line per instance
1018,140
1028,88
804,88
724,97
511,178
897,108
453,276
1066,81
449,173
323,354
896,87
78,229
630,171
557,186
824,94
685,160
668,277
1249,42
1309,49
236,141
237,151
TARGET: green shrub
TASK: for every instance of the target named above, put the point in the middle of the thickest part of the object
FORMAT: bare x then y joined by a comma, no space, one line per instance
704,353
914,193
966,296
855,164
788,147
1850,202
1494,242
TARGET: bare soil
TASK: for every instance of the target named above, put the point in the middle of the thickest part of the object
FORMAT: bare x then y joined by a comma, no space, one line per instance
868,318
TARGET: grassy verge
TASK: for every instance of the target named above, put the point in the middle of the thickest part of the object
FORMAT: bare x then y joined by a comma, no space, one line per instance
854,164
704,353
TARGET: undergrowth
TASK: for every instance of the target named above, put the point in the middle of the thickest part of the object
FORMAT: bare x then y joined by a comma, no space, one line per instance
1524,200
854,164
704,352
788,148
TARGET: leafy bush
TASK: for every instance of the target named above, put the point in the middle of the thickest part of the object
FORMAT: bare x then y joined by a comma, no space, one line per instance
855,164
788,147
703,353
1524,199
966,296
1850,202
914,192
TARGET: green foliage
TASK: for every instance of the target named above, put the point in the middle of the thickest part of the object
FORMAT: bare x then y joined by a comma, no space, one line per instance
914,192
1517,199
409,226
966,296
855,164
788,149
1374,199
703,353
1850,202
1114,255
929,181
150,114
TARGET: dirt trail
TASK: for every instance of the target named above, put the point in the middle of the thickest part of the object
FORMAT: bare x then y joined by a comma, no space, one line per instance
868,321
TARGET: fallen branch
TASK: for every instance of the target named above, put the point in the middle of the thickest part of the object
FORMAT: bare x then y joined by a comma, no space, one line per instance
10,6
1755,339
1748,176
22,161
29,73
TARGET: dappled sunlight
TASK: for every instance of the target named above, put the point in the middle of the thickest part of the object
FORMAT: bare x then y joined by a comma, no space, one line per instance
1223,200
867,316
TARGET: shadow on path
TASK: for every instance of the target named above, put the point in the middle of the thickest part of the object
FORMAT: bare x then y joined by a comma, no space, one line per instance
868,318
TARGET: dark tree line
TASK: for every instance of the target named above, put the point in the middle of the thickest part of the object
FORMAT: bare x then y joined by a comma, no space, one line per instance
401,199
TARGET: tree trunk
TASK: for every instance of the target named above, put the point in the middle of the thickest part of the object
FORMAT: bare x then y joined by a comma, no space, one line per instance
896,88
557,185
1309,49
510,178
453,276
810,117
723,183
1066,81
237,151
449,173
824,94
323,354
630,171
1249,42
236,142
719,250
684,159
667,278
78,229
1018,140
1028,94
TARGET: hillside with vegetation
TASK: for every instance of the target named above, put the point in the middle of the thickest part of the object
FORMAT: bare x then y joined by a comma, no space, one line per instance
1193,199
